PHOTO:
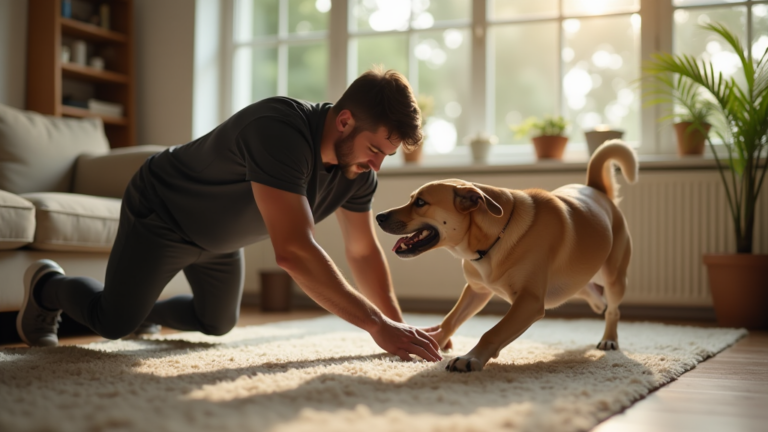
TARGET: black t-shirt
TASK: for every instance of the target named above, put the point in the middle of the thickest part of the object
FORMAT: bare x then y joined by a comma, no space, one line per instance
203,188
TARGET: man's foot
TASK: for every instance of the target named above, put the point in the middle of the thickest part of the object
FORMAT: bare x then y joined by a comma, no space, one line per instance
36,325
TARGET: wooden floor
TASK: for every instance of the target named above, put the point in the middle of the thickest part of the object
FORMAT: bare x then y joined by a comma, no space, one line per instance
726,393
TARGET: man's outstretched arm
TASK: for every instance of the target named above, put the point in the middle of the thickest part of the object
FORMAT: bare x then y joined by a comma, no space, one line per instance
290,225
367,261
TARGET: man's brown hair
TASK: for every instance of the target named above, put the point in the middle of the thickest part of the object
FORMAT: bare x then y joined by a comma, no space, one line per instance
377,98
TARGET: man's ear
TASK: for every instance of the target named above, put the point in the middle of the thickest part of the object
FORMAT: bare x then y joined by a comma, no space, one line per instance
345,122
469,198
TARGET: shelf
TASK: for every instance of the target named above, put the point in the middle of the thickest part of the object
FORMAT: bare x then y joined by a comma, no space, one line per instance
50,81
80,112
74,70
90,32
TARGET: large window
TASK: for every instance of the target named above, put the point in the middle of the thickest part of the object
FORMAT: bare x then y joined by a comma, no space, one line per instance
575,58
279,47
430,43
485,64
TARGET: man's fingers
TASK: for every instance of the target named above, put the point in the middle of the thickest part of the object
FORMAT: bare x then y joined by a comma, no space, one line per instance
426,345
403,354
425,353
428,338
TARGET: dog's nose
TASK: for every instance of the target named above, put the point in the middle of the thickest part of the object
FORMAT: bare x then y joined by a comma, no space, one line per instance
382,217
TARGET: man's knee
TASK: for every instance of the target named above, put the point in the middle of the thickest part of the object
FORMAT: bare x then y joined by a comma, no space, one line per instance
117,328
116,331
218,328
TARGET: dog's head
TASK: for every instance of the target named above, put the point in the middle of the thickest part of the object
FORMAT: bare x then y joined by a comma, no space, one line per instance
437,215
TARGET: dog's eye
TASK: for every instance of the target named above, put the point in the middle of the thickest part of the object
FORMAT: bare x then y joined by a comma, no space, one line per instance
419,202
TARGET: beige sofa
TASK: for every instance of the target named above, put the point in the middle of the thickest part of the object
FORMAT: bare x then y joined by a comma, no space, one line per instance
60,190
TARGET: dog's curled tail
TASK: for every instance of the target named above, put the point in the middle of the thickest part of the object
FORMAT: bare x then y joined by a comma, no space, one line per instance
600,173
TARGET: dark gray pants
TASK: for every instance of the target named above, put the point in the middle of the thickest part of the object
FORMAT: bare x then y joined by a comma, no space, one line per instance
146,255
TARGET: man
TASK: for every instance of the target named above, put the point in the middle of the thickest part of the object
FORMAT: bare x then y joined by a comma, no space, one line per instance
274,169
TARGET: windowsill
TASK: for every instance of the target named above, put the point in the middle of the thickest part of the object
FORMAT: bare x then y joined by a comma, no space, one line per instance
521,159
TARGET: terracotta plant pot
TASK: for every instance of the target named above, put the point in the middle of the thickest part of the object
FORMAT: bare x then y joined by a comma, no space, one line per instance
549,146
414,156
739,285
693,142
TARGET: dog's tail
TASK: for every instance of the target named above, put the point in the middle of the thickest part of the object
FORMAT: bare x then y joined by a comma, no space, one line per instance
600,173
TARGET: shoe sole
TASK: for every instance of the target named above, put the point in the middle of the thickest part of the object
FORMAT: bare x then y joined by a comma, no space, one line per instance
31,277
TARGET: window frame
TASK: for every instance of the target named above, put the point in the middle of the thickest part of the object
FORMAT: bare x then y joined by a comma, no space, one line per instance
657,26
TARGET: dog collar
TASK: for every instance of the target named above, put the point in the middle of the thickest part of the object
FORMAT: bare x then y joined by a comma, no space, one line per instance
482,253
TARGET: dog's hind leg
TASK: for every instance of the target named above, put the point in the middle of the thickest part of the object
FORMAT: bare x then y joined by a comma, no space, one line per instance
616,285
593,294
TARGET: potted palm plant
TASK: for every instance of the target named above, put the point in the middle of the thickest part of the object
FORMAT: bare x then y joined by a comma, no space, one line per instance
547,135
739,282
695,109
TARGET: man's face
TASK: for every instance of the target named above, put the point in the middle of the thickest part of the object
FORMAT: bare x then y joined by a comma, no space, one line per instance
362,151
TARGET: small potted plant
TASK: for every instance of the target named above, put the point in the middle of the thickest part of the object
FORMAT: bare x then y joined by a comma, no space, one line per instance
738,281
426,106
692,125
547,135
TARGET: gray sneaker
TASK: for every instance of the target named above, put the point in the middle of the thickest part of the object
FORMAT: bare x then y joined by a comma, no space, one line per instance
38,326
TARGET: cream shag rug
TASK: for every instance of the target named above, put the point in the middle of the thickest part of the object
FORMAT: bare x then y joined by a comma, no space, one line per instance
326,375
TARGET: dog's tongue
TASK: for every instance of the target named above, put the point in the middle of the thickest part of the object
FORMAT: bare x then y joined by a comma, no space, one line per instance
399,242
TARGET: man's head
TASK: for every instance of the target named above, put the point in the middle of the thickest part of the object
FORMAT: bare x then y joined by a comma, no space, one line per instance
375,115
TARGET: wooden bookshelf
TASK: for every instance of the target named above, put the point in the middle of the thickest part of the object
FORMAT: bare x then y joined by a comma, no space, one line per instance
49,79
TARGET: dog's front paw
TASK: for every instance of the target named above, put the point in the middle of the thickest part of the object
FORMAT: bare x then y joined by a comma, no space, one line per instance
608,345
464,364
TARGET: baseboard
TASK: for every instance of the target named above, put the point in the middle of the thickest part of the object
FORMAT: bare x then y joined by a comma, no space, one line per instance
495,307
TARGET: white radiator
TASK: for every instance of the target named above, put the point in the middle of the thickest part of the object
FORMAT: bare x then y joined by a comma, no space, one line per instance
674,219
674,216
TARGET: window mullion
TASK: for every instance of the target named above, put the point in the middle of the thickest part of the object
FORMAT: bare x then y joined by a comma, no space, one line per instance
656,21
748,44
227,44
560,69
282,48
413,62
338,49
481,75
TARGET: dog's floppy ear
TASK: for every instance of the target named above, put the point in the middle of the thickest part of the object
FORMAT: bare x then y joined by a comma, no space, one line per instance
468,198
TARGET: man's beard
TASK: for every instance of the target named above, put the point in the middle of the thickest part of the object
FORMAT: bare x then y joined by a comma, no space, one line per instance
345,151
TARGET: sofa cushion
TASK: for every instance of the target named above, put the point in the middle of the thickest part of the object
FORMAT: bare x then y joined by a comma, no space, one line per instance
38,152
108,175
17,221
72,222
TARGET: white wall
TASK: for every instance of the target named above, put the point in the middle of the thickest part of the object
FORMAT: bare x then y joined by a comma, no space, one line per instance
13,52
165,38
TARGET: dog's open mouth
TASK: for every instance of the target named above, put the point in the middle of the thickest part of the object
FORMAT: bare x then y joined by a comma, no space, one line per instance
416,243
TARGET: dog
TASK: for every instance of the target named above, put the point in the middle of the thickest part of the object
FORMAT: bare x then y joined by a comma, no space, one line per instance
533,248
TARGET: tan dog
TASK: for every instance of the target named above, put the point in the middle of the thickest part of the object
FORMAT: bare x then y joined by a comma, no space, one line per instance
533,248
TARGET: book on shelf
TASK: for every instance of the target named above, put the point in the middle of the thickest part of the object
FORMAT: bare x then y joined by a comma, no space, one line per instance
105,108
96,106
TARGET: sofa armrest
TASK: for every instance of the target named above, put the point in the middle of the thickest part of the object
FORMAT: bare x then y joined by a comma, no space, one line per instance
108,175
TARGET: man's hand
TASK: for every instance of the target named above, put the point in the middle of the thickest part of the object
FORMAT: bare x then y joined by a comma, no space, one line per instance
402,340
436,332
